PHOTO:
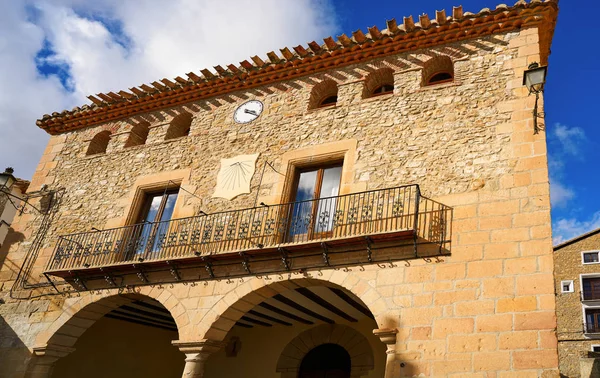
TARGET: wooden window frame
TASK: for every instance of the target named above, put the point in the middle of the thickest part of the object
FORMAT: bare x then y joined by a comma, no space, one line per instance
320,168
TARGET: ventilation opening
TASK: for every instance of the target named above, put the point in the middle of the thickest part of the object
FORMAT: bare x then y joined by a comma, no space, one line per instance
99,143
442,77
138,135
331,100
386,88
379,83
438,70
323,94
179,127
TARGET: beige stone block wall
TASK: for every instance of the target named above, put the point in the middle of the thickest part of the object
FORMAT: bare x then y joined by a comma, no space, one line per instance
486,309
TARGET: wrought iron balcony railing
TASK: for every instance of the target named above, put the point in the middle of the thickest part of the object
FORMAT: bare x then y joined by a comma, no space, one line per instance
373,215
591,328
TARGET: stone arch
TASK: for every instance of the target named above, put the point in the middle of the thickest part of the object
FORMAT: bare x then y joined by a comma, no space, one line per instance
378,82
138,134
61,335
83,313
356,344
323,94
98,143
437,70
179,126
233,305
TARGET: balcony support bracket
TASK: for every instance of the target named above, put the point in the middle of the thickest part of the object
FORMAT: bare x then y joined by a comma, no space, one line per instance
141,274
325,254
369,251
109,278
284,258
51,283
174,271
208,267
245,262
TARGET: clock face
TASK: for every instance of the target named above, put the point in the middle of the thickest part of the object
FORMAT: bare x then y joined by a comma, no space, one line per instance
248,111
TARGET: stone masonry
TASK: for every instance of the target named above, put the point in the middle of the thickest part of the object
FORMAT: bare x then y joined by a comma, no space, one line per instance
573,343
486,310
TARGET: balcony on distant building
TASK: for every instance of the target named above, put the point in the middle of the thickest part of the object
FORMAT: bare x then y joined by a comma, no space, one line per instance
372,227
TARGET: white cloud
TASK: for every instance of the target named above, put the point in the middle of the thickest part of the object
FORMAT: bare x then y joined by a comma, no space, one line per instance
567,228
559,194
571,139
109,45
569,143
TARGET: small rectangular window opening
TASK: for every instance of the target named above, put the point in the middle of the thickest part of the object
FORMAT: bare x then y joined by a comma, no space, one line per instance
591,257
596,348
566,286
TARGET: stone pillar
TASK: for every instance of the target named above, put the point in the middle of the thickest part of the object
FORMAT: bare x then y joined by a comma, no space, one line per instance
42,362
196,354
388,337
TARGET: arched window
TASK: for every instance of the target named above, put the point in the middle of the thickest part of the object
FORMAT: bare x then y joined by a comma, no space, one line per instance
180,126
98,143
323,94
379,82
326,360
438,70
138,135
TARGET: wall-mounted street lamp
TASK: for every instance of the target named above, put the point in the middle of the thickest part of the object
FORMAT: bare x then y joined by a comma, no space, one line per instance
535,78
7,179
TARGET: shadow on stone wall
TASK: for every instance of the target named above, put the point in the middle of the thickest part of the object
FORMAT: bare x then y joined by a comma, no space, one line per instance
589,365
14,355
12,238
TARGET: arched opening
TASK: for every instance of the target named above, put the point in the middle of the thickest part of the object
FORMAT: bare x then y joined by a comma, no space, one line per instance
99,143
326,361
379,82
132,338
323,94
179,126
438,70
138,135
294,331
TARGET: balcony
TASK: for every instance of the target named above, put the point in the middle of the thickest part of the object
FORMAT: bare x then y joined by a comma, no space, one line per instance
590,328
372,227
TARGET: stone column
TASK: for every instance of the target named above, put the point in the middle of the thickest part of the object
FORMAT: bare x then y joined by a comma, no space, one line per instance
388,337
42,362
196,354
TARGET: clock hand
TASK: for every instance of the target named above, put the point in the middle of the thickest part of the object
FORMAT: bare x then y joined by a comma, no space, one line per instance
251,112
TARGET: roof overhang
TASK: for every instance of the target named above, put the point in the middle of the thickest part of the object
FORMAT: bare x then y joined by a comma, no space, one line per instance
409,36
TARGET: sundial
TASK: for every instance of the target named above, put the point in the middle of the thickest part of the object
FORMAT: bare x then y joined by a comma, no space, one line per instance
235,175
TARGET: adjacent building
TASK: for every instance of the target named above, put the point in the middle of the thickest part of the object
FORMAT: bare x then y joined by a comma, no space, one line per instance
577,275
376,205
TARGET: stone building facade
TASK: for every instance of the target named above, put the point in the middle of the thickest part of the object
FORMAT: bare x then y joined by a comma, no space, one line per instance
577,300
430,256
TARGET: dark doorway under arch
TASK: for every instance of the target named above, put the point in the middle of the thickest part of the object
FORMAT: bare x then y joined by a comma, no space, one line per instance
326,361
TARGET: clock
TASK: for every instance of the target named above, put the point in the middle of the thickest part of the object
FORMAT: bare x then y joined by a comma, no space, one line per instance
248,111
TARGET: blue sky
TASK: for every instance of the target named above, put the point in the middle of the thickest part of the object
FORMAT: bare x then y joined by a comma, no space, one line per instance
53,53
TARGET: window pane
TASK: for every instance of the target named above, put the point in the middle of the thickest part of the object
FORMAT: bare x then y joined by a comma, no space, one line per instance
331,182
329,188
153,209
306,186
302,211
590,257
169,207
